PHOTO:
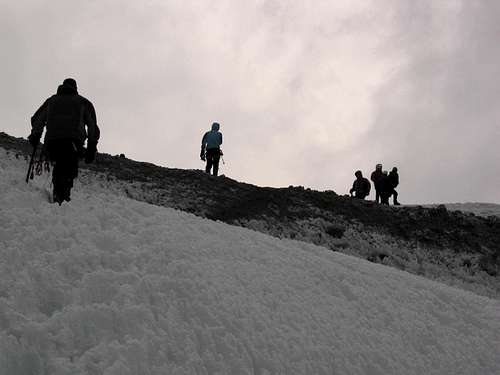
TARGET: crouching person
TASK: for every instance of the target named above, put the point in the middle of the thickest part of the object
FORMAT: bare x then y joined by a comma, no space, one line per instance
361,186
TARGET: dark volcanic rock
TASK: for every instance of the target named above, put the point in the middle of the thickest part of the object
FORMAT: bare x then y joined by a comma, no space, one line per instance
228,200
298,213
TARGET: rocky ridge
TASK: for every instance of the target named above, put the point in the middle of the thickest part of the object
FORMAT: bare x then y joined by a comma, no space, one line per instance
455,247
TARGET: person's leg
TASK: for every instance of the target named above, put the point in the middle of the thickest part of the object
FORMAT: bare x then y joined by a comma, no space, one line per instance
395,197
69,168
73,168
209,162
384,198
57,183
377,196
63,153
216,163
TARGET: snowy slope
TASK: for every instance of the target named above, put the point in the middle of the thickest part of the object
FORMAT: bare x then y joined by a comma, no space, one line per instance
457,248
108,285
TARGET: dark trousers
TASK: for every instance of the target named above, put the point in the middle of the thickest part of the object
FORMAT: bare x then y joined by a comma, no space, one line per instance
213,157
384,197
394,196
64,153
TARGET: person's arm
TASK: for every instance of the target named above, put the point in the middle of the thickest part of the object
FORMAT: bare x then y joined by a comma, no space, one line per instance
353,188
90,119
368,187
93,131
38,122
220,138
203,143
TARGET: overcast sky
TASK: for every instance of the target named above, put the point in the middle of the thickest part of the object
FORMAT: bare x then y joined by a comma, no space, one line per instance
306,92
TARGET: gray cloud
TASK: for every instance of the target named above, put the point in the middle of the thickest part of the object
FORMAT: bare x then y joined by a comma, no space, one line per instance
437,115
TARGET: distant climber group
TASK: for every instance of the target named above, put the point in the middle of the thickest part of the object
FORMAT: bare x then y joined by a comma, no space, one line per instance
70,120
385,185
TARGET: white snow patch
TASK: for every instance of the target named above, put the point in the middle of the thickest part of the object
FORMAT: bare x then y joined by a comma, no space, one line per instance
108,285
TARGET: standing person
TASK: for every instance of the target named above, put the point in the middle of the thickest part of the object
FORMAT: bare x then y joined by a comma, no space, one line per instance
394,182
69,119
385,188
210,148
376,177
361,186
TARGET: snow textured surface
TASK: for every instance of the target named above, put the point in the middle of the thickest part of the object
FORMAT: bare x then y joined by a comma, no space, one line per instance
108,285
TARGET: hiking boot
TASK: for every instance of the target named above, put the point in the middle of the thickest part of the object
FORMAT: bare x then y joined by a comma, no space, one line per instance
57,199
67,194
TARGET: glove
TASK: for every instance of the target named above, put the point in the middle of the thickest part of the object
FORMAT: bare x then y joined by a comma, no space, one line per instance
202,153
34,140
90,152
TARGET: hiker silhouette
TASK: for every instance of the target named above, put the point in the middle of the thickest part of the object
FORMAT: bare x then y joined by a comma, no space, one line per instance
385,188
394,182
210,149
360,187
69,119
376,177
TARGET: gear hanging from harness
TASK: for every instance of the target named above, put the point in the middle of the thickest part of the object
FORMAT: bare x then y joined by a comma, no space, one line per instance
38,164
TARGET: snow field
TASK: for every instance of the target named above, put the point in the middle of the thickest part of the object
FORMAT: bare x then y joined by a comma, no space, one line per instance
108,285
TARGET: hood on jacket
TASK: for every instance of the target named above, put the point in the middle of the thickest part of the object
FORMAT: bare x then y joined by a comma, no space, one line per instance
66,90
68,87
215,127
71,82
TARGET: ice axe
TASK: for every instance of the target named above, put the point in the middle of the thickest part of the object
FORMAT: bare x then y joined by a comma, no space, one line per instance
31,168
222,157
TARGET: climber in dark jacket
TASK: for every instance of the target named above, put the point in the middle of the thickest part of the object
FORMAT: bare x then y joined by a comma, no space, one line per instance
376,177
210,148
69,120
385,188
394,182
361,186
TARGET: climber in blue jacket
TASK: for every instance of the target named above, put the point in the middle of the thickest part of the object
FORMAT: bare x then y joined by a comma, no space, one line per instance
210,148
